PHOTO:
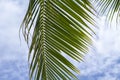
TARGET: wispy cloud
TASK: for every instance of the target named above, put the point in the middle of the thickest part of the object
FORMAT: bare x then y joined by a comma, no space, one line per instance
13,56
103,63
11,15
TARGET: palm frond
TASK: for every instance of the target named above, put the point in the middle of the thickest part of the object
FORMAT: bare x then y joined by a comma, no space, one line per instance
111,8
57,25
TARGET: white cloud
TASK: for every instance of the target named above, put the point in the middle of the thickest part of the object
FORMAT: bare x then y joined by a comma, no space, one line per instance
107,77
106,57
103,60
11,15
13,56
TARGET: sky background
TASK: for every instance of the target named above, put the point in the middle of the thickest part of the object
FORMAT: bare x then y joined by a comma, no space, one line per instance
101,63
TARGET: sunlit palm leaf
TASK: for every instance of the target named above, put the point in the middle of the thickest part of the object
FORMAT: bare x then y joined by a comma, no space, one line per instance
57,25
109,7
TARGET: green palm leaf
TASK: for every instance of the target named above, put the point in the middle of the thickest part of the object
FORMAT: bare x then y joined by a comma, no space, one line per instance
109,7
57,25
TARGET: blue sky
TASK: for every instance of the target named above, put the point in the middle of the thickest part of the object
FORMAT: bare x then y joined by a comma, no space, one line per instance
101,63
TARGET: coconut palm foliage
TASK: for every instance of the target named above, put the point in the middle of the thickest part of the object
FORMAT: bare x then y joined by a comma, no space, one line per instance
57,26
111,8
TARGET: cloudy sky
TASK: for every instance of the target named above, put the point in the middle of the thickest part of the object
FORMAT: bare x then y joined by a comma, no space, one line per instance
101,63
